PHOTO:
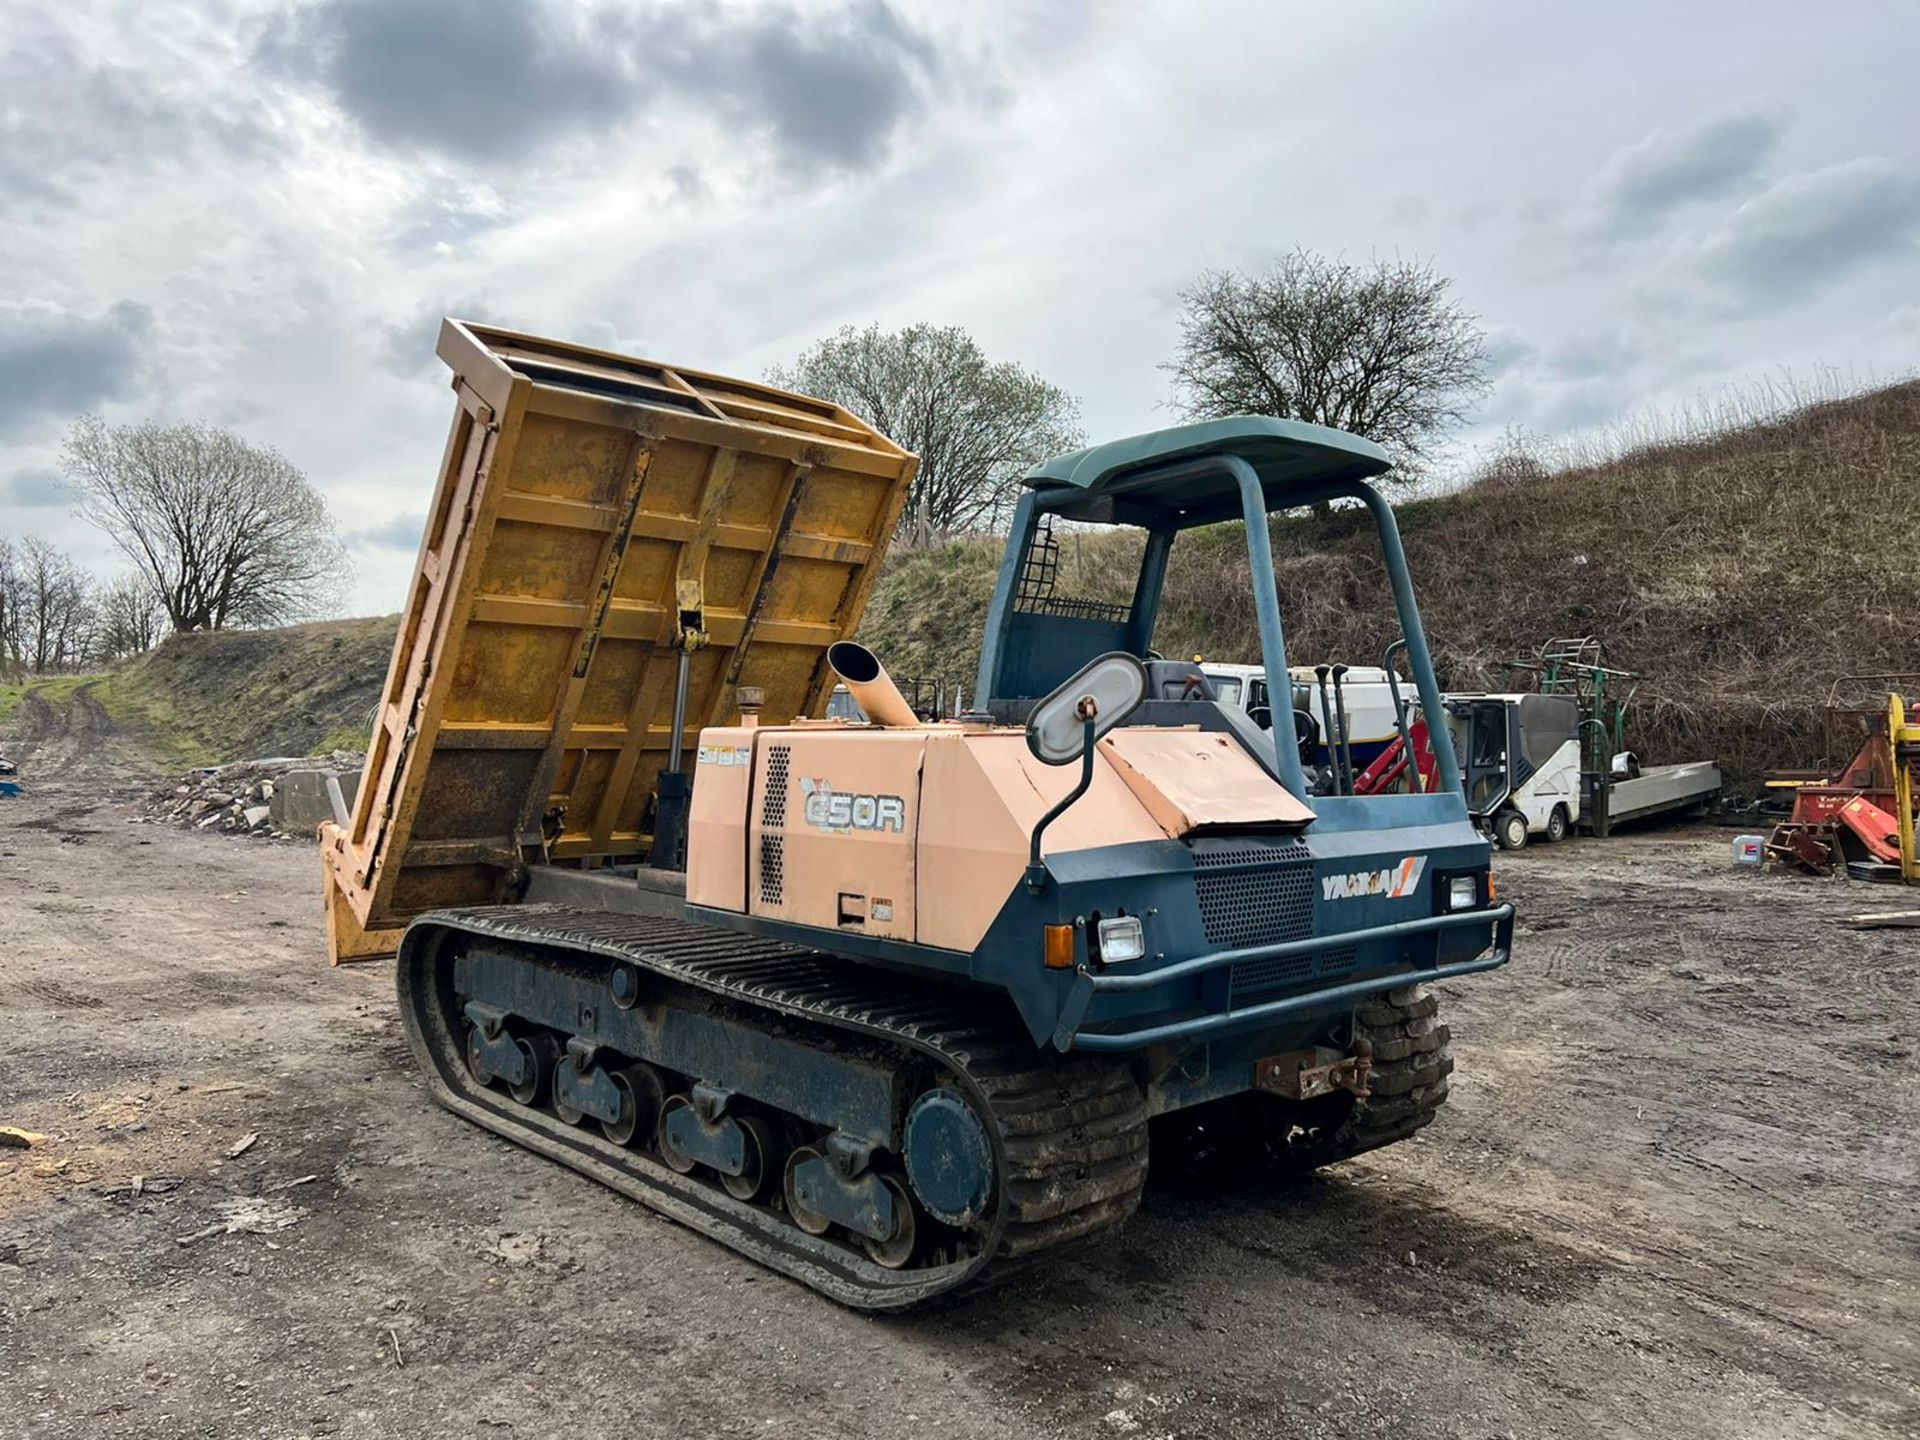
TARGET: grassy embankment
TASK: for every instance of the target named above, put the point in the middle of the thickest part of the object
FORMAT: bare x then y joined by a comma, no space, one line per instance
1739,570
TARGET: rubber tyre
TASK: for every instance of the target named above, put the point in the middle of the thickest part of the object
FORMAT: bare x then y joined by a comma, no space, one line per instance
1510,830
1558,825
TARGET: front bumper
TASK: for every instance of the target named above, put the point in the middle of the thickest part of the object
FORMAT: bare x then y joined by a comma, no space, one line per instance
1088,983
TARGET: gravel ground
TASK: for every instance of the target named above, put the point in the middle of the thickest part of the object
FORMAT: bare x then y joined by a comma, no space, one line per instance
1674,1193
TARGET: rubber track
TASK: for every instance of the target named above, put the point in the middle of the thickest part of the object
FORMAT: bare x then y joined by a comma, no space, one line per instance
1070,1132
1411,1063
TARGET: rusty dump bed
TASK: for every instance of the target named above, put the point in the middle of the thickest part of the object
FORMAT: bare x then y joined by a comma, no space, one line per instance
590,509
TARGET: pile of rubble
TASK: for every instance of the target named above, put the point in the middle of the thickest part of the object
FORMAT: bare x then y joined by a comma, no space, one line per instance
238,797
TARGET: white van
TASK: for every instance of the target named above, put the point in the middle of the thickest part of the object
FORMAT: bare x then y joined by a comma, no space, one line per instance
1368,698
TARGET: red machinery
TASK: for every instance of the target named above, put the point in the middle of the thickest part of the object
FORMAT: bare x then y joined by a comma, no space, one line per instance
1389,767
1849,812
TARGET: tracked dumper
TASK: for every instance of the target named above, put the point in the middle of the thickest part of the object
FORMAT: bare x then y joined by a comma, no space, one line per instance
891,1006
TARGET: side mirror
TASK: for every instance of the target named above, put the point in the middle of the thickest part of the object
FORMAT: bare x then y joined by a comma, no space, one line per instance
1097,697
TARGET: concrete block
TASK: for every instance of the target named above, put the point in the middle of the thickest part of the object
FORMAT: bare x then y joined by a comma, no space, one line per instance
304,798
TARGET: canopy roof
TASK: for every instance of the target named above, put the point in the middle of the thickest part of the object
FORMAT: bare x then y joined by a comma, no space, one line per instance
1143,480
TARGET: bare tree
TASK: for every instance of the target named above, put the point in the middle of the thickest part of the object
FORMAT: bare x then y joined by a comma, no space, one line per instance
10,659
131,618
54,610
226,532
976,424
1377,349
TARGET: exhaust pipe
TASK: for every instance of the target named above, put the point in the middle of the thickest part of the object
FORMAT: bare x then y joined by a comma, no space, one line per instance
872,688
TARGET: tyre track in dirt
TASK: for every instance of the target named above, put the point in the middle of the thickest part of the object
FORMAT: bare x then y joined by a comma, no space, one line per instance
1673,1193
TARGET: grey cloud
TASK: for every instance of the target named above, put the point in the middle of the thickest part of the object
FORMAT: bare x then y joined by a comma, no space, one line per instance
70,119
470,78
446,220
1506,352
1809,230
1552,407
56,363
400,533
1591,357
1669,169
829,89
687,184
482,80
408,342
35,489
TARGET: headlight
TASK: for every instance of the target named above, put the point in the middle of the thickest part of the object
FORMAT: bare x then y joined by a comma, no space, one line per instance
1463,892
1122,939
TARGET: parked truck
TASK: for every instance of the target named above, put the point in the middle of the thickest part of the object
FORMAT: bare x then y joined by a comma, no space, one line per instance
889,1006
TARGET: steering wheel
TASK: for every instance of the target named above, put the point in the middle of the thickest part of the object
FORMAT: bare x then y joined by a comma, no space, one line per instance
1261,715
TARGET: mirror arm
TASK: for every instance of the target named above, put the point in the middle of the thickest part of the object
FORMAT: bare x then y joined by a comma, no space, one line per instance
1036,868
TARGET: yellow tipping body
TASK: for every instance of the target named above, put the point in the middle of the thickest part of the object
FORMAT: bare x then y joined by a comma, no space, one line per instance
595,515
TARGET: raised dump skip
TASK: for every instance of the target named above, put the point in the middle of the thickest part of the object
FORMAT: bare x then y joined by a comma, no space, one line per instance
593,513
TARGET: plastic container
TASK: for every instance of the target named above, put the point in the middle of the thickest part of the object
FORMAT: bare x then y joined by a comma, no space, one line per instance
1749,850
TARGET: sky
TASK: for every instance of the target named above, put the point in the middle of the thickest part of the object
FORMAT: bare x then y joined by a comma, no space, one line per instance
255,214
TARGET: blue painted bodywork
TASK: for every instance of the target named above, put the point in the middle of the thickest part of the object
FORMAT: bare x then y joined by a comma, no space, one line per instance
1255,944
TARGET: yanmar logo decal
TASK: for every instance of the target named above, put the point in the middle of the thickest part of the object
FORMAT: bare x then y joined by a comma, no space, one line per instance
1394,883
835,811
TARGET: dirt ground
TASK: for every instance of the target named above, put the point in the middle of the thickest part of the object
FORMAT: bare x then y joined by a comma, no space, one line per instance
1676,1192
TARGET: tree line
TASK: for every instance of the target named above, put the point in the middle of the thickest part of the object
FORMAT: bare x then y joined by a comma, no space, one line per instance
55,615
219,532
1380,349
216,532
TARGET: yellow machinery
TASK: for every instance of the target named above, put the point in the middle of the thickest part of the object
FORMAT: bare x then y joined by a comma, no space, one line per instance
1904,735
887,1004
611,542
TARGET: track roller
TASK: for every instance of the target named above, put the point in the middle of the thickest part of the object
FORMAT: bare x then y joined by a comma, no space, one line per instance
896,1248
524,1064
679,1160
799,1206
760,1162
699,1128
641,1096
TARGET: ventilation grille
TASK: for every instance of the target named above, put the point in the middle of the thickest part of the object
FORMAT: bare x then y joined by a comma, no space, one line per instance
1251,850
1256,977
1254,891
773,816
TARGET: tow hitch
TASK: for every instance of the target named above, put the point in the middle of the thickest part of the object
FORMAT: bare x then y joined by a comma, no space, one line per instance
1318,1070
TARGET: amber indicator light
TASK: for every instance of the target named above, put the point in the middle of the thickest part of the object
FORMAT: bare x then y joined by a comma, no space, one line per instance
1059,951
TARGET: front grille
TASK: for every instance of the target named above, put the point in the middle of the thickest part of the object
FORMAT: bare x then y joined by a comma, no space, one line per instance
1256,977
1253,891
1258,890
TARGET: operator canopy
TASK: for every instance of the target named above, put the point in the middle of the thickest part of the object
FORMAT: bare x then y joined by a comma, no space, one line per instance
1132,481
